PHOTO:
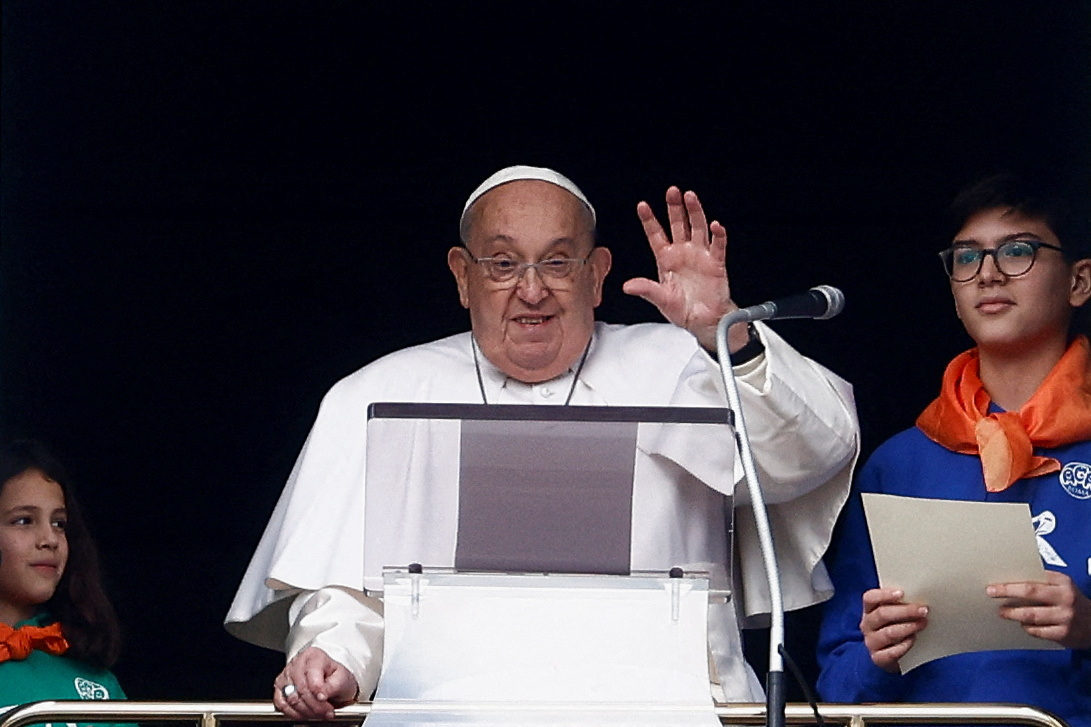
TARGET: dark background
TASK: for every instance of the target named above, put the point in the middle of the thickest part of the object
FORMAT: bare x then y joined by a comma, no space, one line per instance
213,211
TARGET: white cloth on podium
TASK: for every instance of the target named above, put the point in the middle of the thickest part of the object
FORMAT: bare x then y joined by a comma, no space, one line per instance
802,426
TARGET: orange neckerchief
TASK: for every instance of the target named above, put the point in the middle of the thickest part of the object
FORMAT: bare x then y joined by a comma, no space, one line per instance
1058,413
18,643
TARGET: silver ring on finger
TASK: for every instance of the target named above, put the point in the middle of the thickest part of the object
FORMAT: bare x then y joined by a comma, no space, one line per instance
288,690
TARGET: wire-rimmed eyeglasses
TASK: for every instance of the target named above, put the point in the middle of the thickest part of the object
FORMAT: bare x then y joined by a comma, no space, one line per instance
505,270
1013,258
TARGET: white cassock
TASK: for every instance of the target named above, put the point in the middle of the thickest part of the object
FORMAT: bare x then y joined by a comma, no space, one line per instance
304,586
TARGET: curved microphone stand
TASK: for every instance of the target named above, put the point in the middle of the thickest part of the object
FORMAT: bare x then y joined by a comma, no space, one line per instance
775,696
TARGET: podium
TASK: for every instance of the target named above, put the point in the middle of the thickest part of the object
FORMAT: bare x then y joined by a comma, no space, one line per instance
547,538
529,649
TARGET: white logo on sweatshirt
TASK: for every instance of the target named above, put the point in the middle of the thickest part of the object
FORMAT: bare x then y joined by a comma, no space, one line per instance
1075,478
1044,524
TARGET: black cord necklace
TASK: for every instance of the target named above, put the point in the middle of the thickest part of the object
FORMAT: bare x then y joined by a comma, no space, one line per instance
571,389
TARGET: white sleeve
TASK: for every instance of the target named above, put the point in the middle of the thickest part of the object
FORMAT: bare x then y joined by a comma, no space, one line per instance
802,426
801,422
753,371
799,416
344,623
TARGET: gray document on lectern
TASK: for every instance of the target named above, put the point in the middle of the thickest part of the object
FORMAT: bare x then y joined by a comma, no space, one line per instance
544,489
546,497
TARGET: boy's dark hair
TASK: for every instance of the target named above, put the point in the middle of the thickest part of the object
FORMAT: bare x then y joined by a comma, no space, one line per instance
1036,197
80,603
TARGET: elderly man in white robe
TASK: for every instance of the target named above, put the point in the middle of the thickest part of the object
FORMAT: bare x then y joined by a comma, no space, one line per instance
531,276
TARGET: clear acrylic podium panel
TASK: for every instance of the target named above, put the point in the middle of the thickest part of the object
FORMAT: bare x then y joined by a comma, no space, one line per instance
491,649
544,489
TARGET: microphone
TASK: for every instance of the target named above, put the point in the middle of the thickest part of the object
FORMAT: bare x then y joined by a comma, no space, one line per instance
821,302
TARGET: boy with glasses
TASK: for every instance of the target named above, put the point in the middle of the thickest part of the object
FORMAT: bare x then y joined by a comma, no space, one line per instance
1012,424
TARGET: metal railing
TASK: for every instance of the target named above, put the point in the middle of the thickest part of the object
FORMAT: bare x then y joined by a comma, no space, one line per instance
210,714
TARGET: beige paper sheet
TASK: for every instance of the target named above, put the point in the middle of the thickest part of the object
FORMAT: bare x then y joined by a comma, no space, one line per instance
943,553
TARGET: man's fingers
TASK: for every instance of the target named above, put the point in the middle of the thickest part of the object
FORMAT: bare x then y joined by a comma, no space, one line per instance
677,215
310,702
314,674
300,691
343,688
657,238
640,287
312,686
289,710
647,289
718,246
285,692
291,704
695,215
278,700
686,217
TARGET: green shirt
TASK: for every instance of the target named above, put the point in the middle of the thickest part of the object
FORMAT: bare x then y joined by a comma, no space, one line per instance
46,676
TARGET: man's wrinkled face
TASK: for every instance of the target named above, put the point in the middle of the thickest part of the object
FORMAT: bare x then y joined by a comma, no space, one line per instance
535,327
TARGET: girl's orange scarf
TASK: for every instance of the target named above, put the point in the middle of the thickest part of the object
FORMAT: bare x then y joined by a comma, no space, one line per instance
1058,413
18,643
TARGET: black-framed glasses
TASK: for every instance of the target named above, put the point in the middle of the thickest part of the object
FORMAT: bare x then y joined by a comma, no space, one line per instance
506,270
1013,258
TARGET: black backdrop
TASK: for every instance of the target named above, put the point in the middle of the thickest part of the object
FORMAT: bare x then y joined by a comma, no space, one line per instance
212,211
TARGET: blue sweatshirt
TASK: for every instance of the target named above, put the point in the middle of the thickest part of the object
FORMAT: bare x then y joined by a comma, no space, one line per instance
912,465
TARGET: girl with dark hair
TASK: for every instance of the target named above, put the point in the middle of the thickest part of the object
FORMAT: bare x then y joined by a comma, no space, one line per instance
58,632
1012,424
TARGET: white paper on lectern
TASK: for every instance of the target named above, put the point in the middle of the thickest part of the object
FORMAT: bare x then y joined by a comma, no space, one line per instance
943,553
